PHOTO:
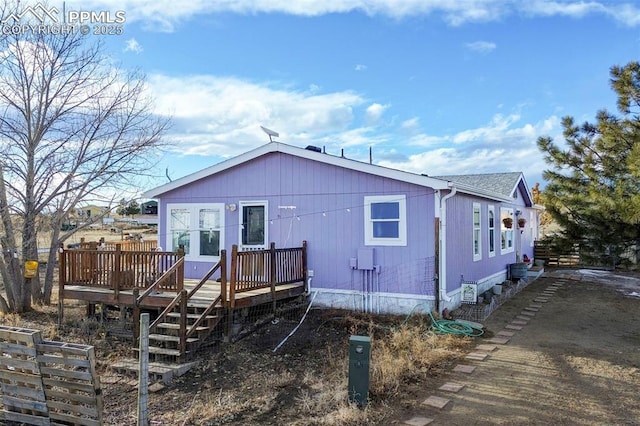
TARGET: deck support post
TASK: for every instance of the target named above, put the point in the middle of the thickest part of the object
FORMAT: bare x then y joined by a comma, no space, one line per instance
272,275
304,266
183,323
136,314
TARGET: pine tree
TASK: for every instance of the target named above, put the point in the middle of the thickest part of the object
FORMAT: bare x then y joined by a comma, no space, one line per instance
593,189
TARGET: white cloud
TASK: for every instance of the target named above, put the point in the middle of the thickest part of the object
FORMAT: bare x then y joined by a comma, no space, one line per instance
132,45
482,46
165,15
499,146
214,115
374,112
360,67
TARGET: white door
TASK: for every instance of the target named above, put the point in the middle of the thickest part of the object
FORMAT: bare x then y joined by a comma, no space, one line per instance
253,225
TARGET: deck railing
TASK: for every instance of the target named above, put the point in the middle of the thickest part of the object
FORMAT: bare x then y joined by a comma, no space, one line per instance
119,269
257,269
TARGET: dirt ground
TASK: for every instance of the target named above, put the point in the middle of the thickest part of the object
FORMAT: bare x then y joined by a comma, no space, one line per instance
576,362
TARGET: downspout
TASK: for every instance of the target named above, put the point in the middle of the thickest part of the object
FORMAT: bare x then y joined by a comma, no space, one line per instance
443,297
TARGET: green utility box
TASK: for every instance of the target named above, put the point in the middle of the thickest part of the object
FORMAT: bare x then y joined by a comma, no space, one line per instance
359,359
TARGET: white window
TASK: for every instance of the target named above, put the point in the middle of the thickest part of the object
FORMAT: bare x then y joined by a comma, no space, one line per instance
477,246
385,220
198,227
506,230
492,230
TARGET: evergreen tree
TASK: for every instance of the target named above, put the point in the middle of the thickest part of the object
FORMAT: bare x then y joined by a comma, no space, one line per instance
593,189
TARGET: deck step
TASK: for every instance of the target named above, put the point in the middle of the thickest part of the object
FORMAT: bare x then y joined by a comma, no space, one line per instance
165,351
167,338
175,326
190,316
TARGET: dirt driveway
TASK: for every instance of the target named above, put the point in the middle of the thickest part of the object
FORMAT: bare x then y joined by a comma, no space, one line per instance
575,362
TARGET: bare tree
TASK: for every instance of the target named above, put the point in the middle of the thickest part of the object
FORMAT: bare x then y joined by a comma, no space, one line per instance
72,127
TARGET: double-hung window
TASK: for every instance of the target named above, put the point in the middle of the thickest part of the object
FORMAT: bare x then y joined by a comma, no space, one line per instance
477,245
492,230
385,220
198,227
506,230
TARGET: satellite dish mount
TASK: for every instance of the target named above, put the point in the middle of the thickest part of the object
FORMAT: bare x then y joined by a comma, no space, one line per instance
271,133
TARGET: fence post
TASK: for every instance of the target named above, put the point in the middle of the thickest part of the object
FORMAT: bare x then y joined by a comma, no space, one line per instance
143,371
62,276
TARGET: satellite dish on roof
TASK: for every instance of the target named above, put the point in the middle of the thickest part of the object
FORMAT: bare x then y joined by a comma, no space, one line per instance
270,132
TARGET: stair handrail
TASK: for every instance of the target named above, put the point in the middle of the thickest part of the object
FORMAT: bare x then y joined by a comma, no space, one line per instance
166,311
161,279
202,316
204,279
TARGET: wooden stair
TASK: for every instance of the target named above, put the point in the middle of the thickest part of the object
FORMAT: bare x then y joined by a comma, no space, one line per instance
164,339
186,322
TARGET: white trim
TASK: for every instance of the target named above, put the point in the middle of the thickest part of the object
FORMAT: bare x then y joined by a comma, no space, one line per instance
265,204
271,147
510,212
194,229
476,207
491,209
369,238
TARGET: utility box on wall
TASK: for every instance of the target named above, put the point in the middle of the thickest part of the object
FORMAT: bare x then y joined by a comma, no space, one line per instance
359,360
365,259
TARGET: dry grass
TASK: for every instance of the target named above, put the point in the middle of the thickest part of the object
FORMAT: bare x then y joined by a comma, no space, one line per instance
305,383
248,384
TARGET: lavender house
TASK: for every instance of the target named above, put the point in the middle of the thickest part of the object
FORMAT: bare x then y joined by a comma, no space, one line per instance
379,239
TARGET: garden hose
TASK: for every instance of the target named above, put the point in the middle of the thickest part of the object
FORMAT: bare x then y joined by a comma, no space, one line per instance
454,327
447,326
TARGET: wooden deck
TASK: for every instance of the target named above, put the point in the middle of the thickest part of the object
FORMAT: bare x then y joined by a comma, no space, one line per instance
188,309
207,294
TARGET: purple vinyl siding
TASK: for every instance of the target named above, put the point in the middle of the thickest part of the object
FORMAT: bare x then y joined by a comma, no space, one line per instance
460,261
328,214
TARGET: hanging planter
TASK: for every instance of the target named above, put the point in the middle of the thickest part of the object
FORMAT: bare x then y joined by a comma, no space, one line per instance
508,222
522,222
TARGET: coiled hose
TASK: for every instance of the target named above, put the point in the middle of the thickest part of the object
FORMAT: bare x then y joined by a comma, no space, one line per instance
460,328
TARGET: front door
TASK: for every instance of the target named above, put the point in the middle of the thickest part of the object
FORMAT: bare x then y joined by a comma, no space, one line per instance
253,229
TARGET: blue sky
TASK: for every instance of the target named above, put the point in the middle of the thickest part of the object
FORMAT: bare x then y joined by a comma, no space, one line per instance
434,86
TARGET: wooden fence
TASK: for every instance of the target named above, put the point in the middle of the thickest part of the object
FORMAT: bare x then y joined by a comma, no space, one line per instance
125,245
45,382
555,257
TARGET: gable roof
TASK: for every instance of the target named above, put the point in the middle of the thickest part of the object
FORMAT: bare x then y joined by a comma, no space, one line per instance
498,190
503,184
272,147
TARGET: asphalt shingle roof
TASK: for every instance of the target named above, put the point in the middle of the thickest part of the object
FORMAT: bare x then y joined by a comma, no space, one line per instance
498,183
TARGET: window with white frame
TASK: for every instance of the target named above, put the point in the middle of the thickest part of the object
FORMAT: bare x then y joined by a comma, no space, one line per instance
506,230
477,246
491,222
198,227
385,220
